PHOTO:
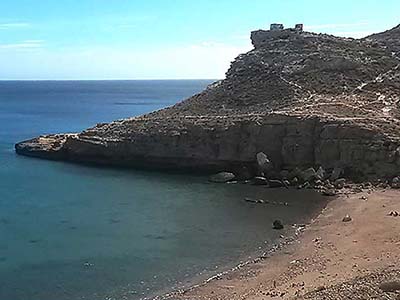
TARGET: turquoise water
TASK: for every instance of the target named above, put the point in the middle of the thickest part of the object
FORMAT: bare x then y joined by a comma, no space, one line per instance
77,232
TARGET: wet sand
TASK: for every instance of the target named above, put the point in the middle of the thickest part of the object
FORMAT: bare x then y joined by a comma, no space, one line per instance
330,259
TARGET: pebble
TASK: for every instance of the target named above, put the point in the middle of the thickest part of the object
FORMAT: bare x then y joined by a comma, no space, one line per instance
347,218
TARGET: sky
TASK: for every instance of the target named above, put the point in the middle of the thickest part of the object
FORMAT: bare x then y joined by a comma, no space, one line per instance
160,39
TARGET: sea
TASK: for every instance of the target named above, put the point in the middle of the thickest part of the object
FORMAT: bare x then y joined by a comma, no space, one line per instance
70,232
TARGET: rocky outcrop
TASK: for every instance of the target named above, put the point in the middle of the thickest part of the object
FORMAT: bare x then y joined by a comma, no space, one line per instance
304,100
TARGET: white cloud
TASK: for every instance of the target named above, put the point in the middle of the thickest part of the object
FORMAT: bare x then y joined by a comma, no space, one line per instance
14,25
27,44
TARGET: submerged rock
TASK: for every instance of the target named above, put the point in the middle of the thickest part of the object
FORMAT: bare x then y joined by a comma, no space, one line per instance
222,177
277,225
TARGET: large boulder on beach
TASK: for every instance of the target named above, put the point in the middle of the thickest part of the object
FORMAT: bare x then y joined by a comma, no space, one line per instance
259,180
263,162
275,183
395,183
336,173
309,174
340,183
321,173
222,177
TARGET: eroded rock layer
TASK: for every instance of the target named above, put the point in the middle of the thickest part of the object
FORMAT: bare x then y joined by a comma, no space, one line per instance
304,99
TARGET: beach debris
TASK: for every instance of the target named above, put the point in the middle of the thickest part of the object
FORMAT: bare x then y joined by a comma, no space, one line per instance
259,180
390,286
363,198
221,177
347,218
394,214
277,225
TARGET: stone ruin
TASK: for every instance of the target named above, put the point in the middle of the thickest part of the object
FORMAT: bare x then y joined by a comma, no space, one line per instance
278,27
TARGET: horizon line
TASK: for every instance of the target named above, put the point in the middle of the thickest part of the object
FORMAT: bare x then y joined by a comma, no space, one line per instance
172,79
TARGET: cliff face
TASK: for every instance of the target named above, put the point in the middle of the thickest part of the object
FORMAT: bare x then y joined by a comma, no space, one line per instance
303,99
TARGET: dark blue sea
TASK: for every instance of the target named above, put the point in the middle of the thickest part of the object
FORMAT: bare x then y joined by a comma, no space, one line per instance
70,232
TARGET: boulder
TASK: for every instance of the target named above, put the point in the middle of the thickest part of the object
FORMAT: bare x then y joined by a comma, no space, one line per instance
308,175
395,183
305,185
286,183
295,173
274,183
295,181
284,174
259,180
336,173
329,192
340,183
263,162
277,225
222,177
321,174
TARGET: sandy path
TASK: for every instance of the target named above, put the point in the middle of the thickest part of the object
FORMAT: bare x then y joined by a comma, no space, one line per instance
331,259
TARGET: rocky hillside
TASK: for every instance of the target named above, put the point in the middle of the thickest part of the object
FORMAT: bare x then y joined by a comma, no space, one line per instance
389,39
304,99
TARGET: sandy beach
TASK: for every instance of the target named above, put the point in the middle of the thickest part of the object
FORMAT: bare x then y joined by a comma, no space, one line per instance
330,259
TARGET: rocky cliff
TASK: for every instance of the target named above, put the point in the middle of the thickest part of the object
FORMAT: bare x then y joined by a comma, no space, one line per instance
304,99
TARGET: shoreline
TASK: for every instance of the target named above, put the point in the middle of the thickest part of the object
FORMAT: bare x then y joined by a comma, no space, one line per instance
326,259
289,235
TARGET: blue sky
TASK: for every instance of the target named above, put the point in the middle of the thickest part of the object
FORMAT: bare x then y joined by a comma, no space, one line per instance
160,39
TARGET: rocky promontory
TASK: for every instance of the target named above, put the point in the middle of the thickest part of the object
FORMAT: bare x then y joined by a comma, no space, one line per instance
303,99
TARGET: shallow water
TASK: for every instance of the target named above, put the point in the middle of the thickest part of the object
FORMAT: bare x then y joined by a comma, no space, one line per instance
77,232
